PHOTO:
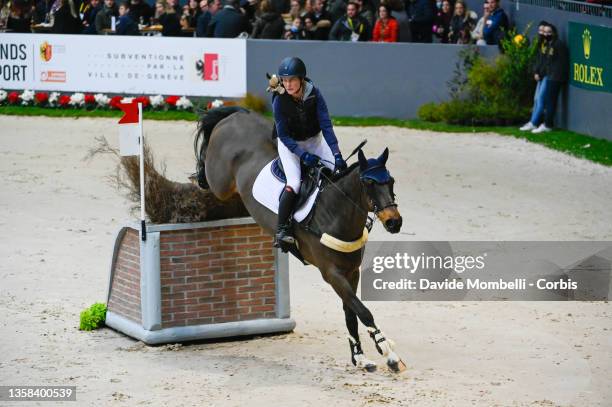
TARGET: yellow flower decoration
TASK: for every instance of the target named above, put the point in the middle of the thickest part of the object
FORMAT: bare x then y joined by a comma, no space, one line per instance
518,39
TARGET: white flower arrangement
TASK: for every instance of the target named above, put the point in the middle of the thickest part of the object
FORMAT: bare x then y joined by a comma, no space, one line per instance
77,99
27,97
53,98
216,103
184,104
157,101
3,95
101,99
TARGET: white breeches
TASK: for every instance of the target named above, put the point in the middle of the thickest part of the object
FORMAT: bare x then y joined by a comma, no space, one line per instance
291,162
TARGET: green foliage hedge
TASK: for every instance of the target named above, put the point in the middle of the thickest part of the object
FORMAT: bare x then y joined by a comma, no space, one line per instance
93,317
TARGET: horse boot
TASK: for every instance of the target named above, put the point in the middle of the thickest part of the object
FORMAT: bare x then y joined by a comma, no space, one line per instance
284,237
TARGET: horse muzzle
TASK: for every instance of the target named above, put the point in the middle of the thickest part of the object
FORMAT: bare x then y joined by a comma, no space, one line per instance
391,219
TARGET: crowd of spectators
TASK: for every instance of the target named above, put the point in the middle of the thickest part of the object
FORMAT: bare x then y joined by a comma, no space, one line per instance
445,21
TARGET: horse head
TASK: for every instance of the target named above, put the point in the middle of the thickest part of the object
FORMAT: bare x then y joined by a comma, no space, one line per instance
378,184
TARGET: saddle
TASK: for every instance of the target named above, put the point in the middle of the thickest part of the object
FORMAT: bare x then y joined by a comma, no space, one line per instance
311,179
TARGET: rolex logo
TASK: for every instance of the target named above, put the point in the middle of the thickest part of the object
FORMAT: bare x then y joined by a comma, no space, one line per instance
586,43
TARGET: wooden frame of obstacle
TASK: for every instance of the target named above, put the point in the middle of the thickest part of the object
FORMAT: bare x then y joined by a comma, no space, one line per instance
197,281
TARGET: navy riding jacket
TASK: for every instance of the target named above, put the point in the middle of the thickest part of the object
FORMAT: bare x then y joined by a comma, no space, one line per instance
316,119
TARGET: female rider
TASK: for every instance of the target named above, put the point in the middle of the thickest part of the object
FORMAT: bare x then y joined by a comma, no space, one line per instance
300,115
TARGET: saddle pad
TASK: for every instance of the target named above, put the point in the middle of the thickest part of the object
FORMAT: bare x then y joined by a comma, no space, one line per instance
267,190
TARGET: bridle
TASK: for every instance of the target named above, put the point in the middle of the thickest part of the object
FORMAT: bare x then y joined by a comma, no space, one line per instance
378,175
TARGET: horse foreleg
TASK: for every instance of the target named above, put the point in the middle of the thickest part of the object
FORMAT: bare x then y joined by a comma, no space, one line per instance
357,357
344,289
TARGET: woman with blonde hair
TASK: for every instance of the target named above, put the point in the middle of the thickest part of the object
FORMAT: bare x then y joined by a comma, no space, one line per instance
461,25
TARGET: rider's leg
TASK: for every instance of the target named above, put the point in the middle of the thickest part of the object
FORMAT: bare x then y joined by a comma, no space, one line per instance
291,165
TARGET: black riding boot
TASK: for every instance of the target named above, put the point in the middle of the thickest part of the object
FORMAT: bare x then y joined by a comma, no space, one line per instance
284,237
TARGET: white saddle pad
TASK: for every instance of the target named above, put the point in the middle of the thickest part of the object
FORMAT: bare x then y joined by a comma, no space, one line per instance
267,190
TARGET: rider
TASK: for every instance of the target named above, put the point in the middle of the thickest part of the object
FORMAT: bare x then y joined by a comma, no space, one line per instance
300,115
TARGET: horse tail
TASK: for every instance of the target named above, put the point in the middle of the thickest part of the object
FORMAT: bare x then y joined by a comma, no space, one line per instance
206,124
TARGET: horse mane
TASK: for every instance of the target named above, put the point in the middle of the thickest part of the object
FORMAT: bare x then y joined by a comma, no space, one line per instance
338,176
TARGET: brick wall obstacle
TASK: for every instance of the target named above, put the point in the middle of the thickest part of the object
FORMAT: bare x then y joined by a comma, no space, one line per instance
198,281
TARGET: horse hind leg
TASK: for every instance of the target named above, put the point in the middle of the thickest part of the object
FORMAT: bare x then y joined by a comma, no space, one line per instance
385,347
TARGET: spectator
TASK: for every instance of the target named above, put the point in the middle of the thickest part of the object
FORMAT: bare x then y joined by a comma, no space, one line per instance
477,33
421,15
125,24
140,12
386,28
90,10
104,17
169,19
461,24
203,19
269,25
296,10
296,31
496,23
174,4
42,11
552,65
322,21
229,22
365,11
442,22
351,27
336,8
65,19
541,80
19,18
310,28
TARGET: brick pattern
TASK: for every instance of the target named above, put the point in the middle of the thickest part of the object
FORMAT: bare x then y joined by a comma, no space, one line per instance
125,287
214,275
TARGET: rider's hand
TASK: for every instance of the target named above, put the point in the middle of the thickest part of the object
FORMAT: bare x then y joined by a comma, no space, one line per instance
340,163
309,160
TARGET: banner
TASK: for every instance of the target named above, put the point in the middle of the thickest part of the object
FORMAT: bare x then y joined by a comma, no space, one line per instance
131,65
590,49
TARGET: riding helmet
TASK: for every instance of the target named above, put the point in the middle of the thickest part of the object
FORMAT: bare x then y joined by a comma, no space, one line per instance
292,66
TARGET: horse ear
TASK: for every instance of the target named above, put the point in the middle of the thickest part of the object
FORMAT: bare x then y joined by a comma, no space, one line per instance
363,162
384,156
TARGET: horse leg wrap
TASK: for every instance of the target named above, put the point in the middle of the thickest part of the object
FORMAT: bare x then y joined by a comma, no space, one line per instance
385,346
358,358
378,338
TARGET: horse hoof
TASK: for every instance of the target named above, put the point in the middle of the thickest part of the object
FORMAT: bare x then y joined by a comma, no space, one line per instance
370,368
396,366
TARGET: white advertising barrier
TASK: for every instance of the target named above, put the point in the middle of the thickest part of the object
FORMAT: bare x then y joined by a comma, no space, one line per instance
132,65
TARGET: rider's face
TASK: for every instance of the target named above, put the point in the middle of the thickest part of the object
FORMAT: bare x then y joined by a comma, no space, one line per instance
292,85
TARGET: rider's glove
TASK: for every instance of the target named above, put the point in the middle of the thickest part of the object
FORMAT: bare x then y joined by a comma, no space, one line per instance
340,163
309,160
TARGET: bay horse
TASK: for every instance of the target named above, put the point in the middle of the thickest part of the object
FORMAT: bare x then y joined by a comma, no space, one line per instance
233,144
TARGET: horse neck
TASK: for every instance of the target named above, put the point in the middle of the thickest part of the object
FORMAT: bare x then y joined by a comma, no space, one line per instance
342,210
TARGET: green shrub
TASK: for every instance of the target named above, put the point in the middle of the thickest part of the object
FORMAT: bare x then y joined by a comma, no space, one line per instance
498,92
93,317
254,103
429,112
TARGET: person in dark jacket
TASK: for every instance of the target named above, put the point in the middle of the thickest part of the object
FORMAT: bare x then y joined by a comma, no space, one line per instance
351,27
169,20
229,22
19,17
140,12
442,21
66,20
540,77
104,16
554,65
90,10
421,15
125,24
269,25
305,136
496,23
462,24
322,21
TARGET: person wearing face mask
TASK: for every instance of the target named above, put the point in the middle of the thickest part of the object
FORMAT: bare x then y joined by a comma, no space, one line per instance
540,77
554,66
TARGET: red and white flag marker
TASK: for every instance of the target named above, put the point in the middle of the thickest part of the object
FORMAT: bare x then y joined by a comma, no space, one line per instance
131,142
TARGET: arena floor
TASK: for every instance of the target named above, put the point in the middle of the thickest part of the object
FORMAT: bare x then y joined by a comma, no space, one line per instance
59,217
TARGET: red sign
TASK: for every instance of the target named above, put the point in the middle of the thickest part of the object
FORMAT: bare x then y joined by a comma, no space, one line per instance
211,67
